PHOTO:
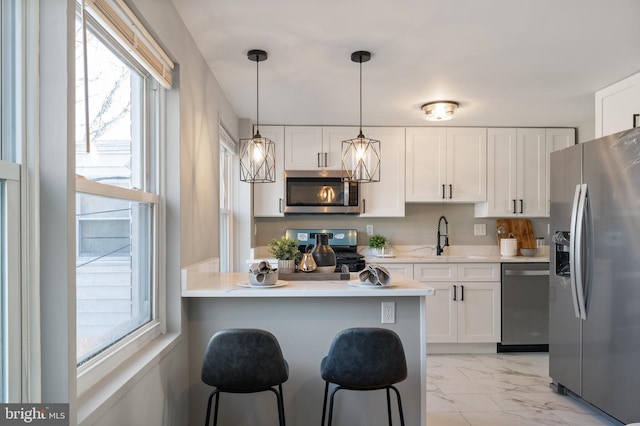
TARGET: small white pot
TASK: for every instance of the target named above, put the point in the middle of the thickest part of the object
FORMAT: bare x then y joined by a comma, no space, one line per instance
286,266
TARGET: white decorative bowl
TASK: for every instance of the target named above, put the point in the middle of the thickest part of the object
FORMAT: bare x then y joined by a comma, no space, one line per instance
269,278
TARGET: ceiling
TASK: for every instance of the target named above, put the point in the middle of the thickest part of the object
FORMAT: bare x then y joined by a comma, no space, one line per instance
507,62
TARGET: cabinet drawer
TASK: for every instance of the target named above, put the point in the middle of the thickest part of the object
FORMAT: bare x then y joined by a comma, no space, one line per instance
402,268
478,272
435,272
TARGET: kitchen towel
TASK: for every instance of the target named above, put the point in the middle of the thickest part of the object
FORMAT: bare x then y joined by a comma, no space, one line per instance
375,274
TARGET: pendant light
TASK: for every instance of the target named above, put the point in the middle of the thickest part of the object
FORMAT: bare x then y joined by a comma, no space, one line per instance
361,156
258,154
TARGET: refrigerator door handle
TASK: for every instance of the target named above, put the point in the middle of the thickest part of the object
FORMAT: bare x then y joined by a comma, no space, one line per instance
572,251
578,270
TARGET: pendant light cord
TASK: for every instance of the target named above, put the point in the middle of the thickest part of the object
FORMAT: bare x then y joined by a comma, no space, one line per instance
257,99
361,135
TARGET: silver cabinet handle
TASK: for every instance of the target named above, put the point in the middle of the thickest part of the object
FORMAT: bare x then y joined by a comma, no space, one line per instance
529,273
326,161
280,205
319,164
364,205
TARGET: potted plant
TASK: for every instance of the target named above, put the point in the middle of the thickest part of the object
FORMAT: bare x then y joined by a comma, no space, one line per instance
377,243
285,250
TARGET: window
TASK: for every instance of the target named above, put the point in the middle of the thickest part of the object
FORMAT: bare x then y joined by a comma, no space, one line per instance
227,154
11,118
117,196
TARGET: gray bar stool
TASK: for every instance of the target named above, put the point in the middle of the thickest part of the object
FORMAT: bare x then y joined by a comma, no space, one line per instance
244,361
364,359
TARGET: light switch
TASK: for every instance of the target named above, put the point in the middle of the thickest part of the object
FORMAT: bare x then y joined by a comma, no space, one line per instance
479,229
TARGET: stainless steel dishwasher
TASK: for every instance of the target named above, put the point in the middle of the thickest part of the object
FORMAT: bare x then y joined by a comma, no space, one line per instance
525,307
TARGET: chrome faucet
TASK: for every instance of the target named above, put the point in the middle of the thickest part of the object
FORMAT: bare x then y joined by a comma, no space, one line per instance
439,248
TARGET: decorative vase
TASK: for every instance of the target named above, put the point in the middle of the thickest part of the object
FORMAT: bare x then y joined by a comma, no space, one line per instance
323,254
286,266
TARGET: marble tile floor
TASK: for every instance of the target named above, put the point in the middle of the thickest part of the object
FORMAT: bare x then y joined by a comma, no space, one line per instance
500,389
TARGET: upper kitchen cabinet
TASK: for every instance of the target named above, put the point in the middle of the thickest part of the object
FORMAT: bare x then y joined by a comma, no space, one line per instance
446,164
314,147
517,171
268,198
556,139
618,106
385,198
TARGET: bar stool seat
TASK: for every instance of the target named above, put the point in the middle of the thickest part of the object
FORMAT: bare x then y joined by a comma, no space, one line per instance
364,359
244,361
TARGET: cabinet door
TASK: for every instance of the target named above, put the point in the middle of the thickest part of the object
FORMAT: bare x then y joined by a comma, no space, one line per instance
332,138
426,149
303,148
268,198
441,316
387,197
616,106
501,173
556,139
531,181
466,165
479,312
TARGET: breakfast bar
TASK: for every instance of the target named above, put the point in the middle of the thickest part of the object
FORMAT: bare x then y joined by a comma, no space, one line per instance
305,316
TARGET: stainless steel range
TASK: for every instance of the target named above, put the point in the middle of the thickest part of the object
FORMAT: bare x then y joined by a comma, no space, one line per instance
344,243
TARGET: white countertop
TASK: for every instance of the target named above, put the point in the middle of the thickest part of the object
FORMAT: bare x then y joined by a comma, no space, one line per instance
404,258
198,283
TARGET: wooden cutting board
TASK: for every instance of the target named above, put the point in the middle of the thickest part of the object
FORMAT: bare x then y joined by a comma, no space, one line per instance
521,229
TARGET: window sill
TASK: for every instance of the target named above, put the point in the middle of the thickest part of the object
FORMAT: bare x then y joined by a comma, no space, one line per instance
93,403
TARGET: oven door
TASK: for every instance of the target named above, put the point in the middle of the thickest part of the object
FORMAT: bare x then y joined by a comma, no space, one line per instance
320,192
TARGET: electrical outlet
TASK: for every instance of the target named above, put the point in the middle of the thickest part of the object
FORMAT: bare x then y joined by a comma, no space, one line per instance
369,230
479,229
388,312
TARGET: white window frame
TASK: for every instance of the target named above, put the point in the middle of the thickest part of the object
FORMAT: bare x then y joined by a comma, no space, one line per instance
99,366
228,154
13,42
11,335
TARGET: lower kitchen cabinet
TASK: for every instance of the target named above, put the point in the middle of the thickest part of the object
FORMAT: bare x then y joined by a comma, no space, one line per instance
466,305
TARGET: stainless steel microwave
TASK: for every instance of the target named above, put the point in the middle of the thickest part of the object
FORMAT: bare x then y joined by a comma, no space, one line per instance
321,191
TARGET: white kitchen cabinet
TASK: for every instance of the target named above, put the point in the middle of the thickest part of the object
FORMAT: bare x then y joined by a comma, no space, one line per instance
446,164
556,139
518,170
268,198
466,305
387,197
618,106
315,147
303,148
516,176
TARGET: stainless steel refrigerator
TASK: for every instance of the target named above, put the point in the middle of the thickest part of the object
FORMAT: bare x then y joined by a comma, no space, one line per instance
594,293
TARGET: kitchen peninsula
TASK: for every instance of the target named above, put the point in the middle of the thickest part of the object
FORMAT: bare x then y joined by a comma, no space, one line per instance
304,316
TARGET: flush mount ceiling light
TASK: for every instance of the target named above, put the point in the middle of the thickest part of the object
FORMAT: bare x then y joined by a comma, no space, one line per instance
439,110
361,156
258,154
